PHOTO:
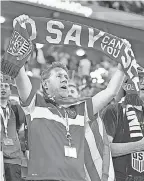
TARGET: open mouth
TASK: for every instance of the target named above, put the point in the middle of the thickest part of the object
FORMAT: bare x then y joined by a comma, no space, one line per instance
64,87
3,92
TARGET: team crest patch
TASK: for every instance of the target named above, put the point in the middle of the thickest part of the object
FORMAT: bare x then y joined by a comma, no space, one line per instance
19,46
138,161
71,113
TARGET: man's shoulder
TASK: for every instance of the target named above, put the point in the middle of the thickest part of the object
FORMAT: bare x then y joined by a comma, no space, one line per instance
40,101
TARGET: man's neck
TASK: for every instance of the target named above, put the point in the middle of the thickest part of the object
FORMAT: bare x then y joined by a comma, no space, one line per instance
3,102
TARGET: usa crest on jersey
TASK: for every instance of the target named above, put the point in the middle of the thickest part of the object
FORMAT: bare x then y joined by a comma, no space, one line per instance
138,161
19,46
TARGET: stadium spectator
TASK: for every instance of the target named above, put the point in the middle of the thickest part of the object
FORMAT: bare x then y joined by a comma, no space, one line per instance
125,127
12,117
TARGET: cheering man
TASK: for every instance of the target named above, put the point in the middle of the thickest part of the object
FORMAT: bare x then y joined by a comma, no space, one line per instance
56,131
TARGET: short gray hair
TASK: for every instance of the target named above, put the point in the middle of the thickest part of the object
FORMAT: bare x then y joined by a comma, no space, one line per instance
46,73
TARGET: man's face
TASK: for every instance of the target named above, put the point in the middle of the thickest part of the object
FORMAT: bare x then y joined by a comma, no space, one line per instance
57,84
73,91
5,90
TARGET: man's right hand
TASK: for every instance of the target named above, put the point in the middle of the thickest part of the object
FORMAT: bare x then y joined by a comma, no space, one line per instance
22,19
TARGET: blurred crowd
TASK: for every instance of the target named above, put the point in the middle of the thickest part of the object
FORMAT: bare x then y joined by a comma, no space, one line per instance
136,7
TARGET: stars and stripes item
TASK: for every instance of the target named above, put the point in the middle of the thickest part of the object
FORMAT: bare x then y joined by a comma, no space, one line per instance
70,33
98,159
47,140
19,46
18,50
56,31
97,156
138,161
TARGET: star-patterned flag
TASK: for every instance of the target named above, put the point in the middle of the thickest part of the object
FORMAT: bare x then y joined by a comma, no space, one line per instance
18,50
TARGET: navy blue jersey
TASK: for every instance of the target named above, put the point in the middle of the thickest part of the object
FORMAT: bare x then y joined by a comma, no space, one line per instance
123,130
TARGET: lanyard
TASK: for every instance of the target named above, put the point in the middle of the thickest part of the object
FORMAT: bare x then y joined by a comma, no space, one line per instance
5,119
68,135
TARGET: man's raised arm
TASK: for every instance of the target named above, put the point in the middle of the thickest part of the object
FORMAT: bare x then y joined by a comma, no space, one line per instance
24,85
101,99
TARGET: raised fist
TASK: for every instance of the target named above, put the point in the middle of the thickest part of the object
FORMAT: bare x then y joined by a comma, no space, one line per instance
22,20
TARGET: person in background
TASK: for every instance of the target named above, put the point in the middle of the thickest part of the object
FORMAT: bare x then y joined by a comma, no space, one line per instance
12,117
73,90
84,66
125,128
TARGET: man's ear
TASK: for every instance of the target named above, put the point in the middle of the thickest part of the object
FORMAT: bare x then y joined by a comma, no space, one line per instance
45,84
